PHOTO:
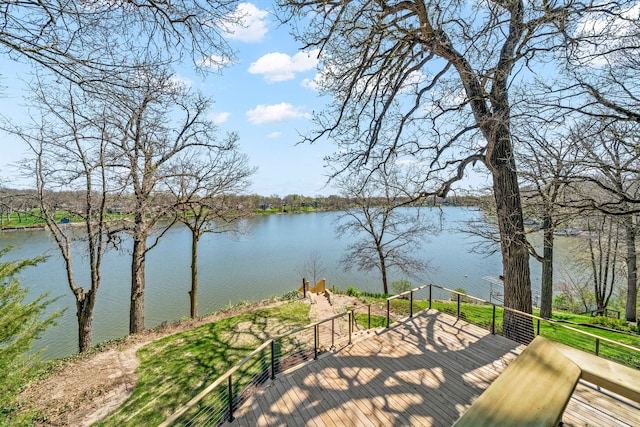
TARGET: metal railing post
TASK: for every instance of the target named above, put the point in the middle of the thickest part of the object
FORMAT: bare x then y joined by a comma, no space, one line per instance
333,334
411,304
369,317
597,347
230,398
458,305
493,320
538,331
350,323
430,296
316,330
388,307
273,360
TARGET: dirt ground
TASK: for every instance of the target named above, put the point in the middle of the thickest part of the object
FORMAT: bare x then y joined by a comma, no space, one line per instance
85,389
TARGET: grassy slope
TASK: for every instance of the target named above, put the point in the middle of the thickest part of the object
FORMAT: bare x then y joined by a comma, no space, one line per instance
174,369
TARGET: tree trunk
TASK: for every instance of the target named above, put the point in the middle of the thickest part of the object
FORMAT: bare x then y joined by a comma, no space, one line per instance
632,270
84,312
193,294
513,245
383,271
136,310
546,291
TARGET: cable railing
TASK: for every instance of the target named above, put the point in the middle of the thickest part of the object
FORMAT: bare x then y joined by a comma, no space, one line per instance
217,403
525,326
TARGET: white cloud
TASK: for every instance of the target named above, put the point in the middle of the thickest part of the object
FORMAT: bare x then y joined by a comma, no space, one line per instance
310,83
251,26
274,135
219,118
277,67
215,62
275,113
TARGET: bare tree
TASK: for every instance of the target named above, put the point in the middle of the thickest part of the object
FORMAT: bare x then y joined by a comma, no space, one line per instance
313,267
88,42
391,232
154,129
548,162
203,190
70,153
600,77
431,79
610,185
603,252
576,294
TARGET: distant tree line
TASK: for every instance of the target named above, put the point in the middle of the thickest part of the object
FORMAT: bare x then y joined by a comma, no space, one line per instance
19,205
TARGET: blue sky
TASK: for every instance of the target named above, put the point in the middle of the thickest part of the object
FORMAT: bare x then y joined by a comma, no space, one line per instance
266,95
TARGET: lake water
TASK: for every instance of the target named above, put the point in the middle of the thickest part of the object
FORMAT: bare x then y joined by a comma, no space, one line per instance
266,263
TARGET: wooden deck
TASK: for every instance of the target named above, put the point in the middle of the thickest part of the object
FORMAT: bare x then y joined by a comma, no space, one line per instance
424,371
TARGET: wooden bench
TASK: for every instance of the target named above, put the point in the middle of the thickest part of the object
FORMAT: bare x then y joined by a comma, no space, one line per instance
609,375
534,390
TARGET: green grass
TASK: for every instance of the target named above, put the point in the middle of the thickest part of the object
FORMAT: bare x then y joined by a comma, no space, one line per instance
402,306
174,369
481,315
22,220
34,218
362,320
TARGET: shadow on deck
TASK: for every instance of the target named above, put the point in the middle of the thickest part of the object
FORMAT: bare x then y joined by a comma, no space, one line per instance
424,371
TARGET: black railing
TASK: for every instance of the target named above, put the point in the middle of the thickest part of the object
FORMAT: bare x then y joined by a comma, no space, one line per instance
527,324
218,401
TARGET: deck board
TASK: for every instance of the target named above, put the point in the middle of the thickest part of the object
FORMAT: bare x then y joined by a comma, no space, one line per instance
423,371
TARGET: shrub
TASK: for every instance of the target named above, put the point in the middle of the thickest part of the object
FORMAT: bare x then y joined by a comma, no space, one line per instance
352,292
615,324
401,286
291,295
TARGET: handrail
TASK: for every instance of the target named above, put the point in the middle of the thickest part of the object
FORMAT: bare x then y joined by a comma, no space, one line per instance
409,292
227,376
598,339
270,342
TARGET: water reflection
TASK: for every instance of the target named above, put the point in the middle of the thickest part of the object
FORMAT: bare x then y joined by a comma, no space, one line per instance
267,263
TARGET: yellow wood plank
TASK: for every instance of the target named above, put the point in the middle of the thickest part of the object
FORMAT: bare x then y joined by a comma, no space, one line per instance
533,391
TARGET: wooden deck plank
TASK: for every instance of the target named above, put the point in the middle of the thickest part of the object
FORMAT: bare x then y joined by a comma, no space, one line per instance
423,371
298,397
370,384
366,378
